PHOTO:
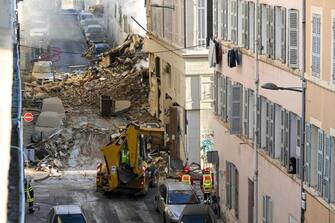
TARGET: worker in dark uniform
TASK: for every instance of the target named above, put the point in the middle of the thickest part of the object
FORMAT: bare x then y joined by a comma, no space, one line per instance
29,195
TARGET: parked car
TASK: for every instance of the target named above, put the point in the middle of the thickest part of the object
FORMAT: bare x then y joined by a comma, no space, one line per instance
85,15
70,12
42,72
47,124
92,29
96,38
86,22
66,214
171,199
53,104
199,213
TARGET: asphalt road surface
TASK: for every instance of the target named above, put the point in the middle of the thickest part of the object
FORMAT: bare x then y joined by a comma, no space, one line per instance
67,43
79,188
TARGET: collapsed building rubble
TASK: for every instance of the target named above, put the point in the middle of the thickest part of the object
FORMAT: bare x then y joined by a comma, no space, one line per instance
122,74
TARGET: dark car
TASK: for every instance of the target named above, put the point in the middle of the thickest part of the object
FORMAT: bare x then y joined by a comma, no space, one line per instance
70,12
172,198
199,213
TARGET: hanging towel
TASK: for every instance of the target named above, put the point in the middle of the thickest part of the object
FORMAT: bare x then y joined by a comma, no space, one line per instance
212,54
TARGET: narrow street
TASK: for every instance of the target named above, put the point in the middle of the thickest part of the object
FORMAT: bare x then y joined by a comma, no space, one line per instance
78,187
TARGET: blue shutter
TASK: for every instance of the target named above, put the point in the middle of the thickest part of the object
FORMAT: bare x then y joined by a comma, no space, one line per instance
326,170
236,109
308,161
320,161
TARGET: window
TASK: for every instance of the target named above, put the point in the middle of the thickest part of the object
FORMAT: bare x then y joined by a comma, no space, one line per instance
251,25
284,137
220,92
235,121
333,53
202,22
215,18
267,209
233,21
280,34
271,32
224,19
308,161
293,36
245,25
232,187
320,161
316,44
265,29
270,121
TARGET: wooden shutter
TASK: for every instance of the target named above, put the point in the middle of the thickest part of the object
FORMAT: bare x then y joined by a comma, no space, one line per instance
224,98
285,137
308,161
271,32
239,22
236,109
246,113
298,147
283,35
258,121
293,38
236,192
216,93
228,185
251,18
316,44
233,21
265,37
264,209
320,160
245,25
327,168
215,17
224,19
229,89
259,28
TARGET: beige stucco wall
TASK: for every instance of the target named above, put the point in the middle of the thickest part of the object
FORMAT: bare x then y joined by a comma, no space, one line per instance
273,181
245,75
318,211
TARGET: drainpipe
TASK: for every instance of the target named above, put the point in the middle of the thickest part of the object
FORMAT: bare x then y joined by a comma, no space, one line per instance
185,24
303,114
255,130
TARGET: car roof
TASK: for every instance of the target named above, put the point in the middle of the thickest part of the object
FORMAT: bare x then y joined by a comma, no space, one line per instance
67,209
177,185
199,209
94,26
43,63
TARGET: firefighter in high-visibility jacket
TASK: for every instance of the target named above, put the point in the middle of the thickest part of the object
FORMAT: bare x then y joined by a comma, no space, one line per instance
207,183
29,195
186,176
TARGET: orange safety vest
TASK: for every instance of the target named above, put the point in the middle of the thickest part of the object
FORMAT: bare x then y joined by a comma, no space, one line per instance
207,183
186,179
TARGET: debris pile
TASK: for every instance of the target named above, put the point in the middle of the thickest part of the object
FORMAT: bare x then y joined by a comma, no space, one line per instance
121,74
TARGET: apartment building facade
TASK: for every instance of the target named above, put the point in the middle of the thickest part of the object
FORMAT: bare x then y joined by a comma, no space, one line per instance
278,112
320,75
181,93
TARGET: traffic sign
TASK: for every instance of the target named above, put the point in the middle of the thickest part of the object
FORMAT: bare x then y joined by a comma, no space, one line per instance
28,117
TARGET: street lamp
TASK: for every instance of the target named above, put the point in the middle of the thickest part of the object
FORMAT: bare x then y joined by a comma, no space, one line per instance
272,86
162,6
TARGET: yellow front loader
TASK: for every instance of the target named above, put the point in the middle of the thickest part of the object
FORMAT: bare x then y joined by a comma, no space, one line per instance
127,164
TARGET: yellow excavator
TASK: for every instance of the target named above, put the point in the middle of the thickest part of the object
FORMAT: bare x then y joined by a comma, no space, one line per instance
127,160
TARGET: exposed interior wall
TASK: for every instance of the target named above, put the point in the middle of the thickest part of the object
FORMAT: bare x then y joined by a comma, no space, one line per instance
118,20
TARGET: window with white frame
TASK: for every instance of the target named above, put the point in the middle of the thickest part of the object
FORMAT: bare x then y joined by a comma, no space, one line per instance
316,45
267,209
202,22
232,184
